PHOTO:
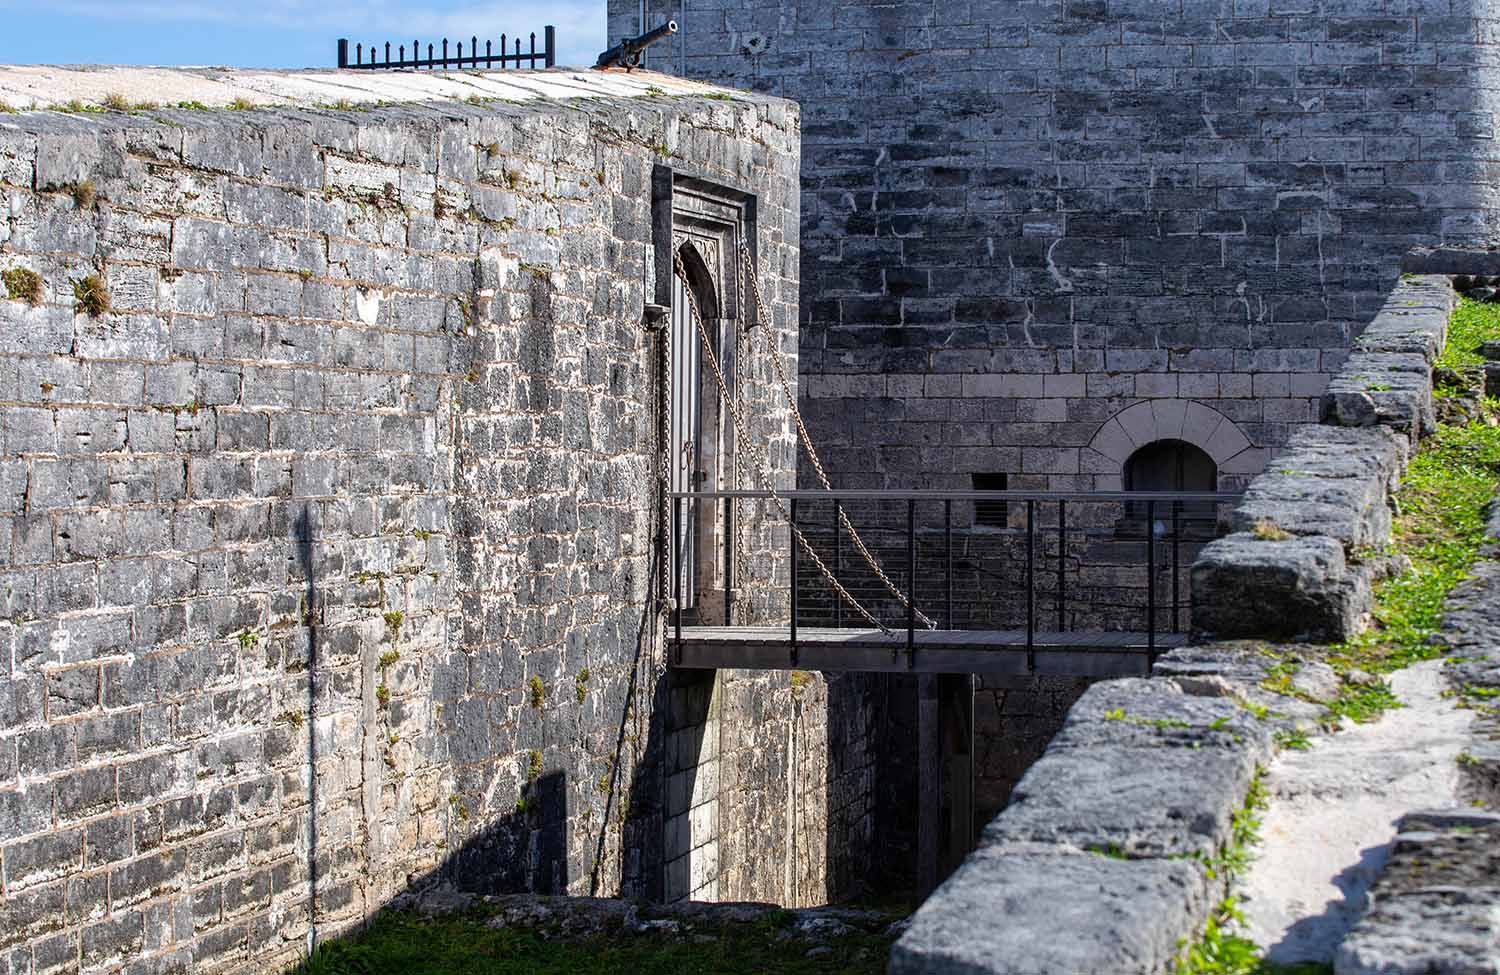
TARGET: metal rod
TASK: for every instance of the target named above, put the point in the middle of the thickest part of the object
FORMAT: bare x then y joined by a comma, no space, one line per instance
1176,563
1048,496
728,553
677,567
343,52
948,559
1062,565
911,583
1151,580
550,33
792,538
1030,586
838,563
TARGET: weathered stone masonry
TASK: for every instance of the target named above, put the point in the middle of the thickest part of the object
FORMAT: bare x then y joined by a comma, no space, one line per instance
1040,234
326,552
1022,216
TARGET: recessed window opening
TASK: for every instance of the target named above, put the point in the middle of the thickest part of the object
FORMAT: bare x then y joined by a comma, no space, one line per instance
991,514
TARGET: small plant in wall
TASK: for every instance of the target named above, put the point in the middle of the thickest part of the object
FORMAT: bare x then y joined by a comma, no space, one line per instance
581,684
383,695
536,692
393,620
23,284
91,296
84,194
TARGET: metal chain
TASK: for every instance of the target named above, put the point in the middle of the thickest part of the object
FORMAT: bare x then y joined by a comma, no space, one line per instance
665,453
807,443
762,466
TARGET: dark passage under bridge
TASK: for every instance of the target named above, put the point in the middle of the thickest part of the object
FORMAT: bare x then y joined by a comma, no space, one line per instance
943,585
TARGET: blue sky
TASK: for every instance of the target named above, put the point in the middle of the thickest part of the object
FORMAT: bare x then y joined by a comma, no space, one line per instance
273,33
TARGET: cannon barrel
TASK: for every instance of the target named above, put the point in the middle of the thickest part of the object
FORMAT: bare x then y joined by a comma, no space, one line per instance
628,51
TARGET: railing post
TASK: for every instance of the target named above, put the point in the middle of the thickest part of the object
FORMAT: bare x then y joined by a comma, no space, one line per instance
728,553
1176,563
911,582
948,557
343,52
1062,565
1030,584
1151,581
549,33
792,537
838,565
677,569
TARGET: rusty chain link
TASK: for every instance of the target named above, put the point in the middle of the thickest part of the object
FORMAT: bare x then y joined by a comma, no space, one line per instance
761,465
807,443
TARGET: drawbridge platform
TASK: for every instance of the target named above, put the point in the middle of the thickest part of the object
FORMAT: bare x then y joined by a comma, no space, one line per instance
1078,654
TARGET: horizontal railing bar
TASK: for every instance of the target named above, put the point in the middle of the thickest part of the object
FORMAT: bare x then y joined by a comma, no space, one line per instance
450,63
872,495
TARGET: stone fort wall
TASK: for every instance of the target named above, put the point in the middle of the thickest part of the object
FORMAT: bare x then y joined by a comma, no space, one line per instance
1022,217
1040,234
326,564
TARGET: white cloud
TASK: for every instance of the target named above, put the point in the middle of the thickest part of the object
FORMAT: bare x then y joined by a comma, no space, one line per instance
580,23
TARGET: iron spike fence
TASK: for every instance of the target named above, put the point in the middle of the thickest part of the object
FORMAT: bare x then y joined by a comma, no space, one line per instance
438,57
1064,562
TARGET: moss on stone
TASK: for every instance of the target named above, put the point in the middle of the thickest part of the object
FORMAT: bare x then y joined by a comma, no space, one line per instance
23,284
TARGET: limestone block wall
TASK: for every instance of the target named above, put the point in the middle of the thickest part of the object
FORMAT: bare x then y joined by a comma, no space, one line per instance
1022,217
326,563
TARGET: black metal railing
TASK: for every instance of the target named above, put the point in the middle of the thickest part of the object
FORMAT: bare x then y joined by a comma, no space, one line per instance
1064,562
438,57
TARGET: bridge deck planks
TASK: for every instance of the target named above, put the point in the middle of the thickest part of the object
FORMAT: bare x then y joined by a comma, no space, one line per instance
1081,654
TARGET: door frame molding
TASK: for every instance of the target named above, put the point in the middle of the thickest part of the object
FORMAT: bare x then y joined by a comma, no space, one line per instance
714,216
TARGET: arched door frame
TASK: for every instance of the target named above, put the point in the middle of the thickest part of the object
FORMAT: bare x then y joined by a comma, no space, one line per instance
704,223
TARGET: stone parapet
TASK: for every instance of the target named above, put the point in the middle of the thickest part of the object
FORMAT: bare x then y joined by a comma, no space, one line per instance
1434,907
1098,865
1299,559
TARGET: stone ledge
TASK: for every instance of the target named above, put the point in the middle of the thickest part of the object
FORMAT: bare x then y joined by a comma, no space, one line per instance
1471,632
1331,489
1434,907
1036,911
1243,586
1451,260
1102,841
1331,481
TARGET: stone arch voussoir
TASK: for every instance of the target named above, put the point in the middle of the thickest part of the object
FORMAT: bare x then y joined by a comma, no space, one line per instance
1170,419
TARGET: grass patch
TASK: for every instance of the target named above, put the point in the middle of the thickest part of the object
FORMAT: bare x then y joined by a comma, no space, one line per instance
1220,951
1441,529
465,943
1472,324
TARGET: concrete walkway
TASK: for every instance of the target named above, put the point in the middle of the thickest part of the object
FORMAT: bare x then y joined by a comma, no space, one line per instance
1333,811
